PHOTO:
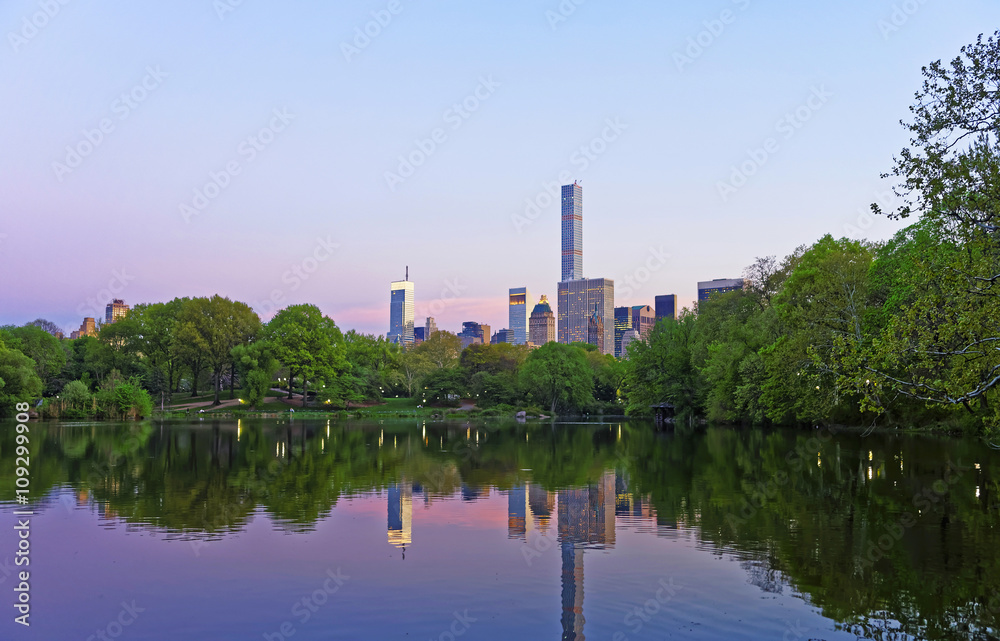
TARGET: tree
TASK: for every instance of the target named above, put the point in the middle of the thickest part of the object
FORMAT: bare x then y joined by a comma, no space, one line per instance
257,366
19,380
47,325
156,324
41,347
940,347
309,344
558,376
660,369
215,326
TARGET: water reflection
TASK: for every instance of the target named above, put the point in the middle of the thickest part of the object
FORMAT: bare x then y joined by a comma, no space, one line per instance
887,537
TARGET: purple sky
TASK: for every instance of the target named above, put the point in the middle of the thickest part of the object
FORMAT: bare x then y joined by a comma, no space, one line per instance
493,101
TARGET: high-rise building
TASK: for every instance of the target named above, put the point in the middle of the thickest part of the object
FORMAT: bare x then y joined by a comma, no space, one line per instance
628,336
666,306
430,327
595,330
419,335
401,311
542,324
718,286
572,232
643,320
474,333
578,300
115,310
87,328
502,336
518,315
623,322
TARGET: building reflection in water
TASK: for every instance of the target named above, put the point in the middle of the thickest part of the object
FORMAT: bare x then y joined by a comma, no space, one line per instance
400,515
585,520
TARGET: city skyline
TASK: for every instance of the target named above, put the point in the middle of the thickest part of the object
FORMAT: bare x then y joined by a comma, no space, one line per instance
311,172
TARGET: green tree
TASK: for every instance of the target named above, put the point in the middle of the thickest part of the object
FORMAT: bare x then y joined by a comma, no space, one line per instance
660,369
559,377
310,345
19,380
939,346
41,347
215,326
257,366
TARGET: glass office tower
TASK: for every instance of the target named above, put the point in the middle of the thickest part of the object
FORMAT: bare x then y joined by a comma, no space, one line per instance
401,313
518,316
572,232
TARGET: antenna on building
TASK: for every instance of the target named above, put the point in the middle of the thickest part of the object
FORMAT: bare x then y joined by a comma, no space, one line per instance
407,272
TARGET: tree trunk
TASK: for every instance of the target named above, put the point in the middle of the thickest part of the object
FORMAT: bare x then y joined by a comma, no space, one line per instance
291,375
232,380
218,386
194,381
305,389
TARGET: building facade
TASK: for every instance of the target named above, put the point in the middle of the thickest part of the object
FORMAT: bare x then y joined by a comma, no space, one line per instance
518,315
430,327
665,306
718,286
643,320
401,312
116,310
474,333
502,336
578,301
542,324
623,322
628,337
572,232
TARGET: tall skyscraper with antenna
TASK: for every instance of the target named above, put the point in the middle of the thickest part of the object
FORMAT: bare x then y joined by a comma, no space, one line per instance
586,305
401,311
572,232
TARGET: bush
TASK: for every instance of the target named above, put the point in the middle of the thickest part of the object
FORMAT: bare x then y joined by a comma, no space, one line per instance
123,398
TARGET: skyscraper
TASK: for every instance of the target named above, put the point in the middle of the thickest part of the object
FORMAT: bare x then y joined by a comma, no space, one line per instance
401,311
623,322
718,286
430,327
572,232
115,310
666,306
518,316
578,300
643,320
542,324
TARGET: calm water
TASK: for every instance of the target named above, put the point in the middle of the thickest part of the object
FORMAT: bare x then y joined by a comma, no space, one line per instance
305,530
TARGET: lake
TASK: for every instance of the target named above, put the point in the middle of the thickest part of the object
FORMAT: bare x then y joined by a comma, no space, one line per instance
400,529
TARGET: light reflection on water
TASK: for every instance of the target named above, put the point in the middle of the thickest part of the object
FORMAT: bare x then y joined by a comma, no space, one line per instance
254,529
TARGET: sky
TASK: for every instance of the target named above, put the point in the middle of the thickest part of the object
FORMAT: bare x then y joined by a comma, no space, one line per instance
309,152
